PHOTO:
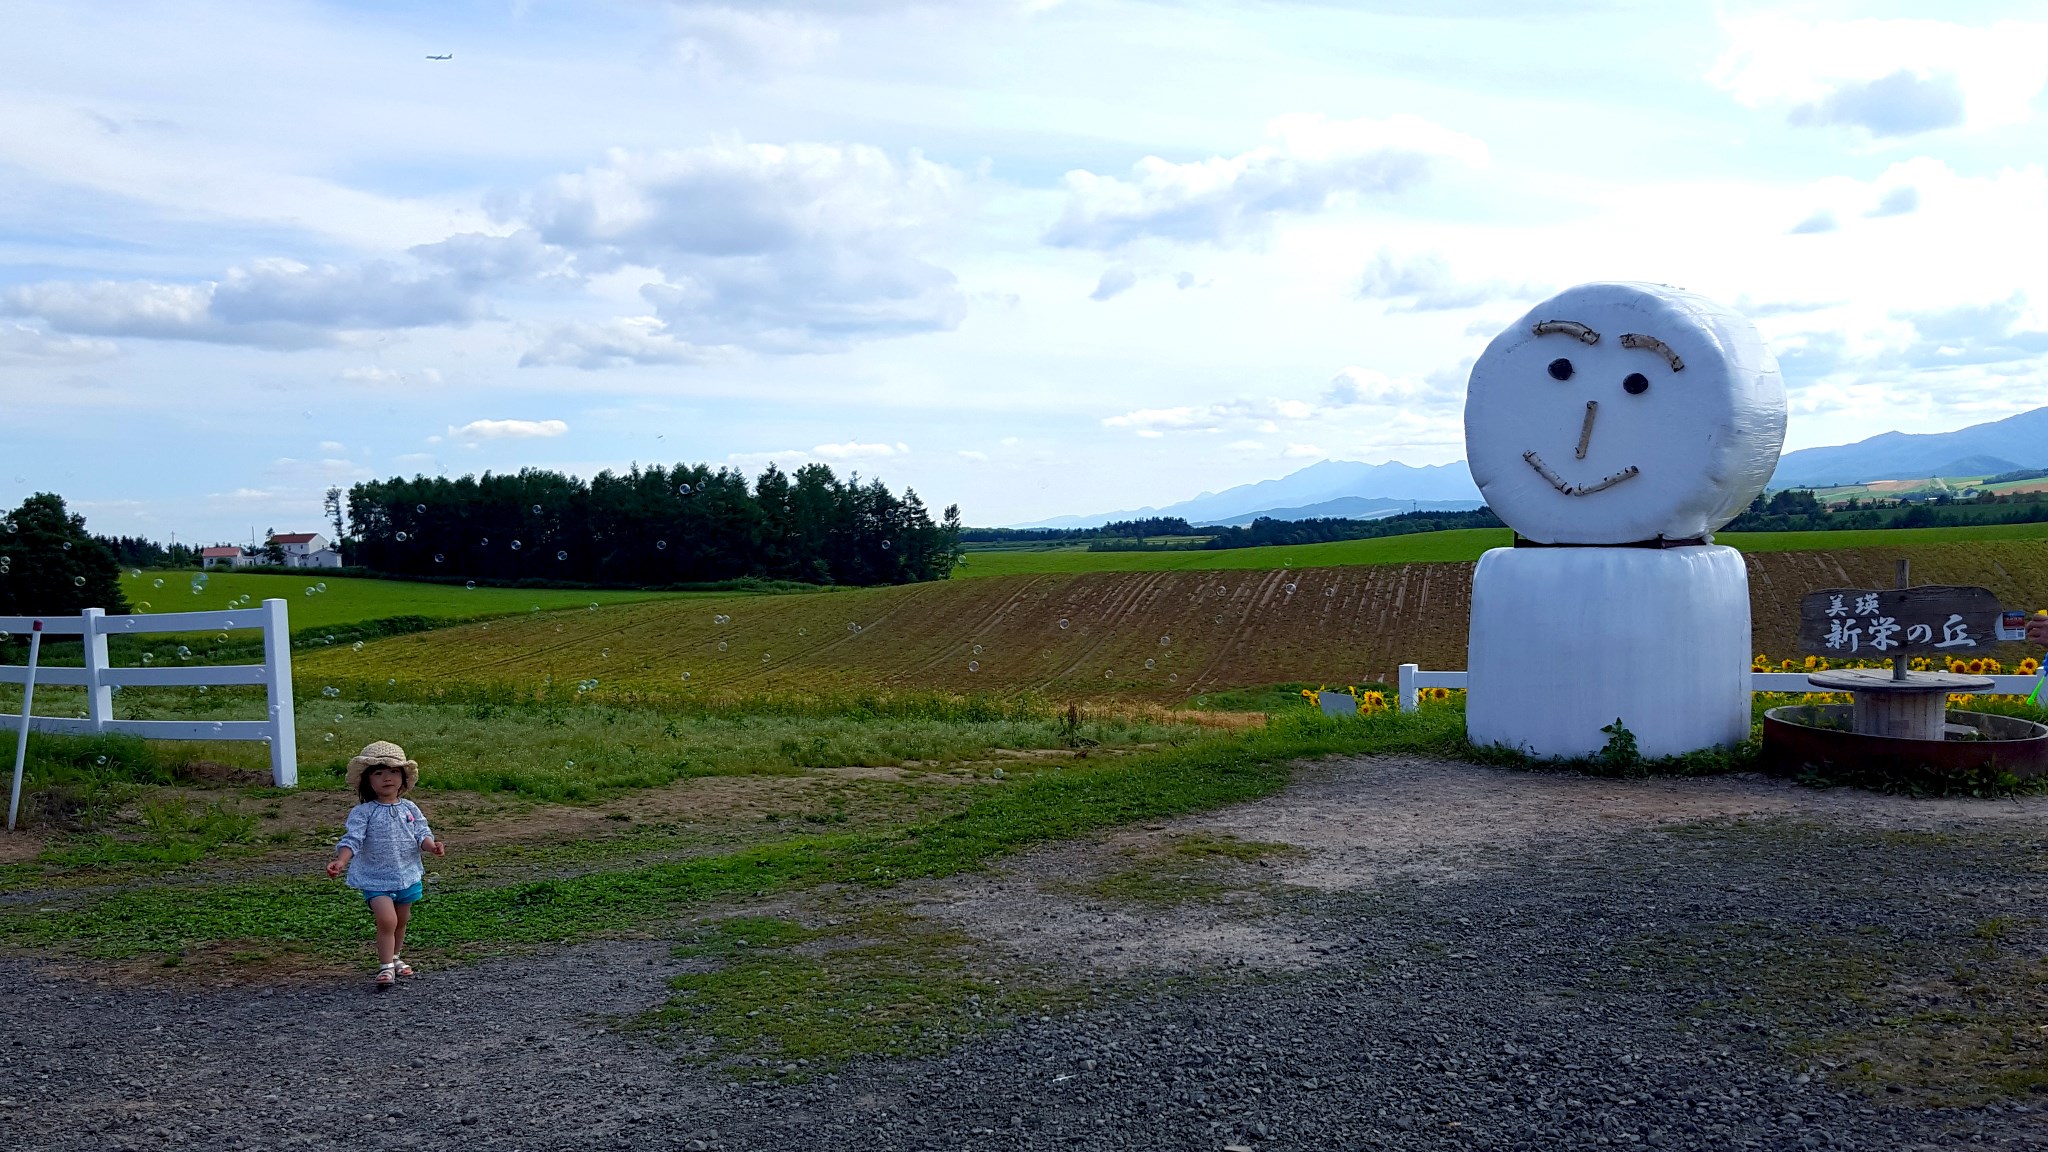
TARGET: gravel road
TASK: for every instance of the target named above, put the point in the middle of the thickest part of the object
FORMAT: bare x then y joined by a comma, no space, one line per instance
1458,958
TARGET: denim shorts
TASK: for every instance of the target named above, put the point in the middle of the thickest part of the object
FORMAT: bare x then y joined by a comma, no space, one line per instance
402,896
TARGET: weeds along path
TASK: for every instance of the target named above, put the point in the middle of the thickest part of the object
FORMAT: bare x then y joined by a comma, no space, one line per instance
1163,635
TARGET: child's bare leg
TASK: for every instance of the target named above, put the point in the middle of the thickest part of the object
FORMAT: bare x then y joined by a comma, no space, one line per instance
398,936
388,928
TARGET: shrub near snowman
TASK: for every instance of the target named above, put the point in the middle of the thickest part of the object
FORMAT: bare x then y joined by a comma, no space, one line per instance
1614,429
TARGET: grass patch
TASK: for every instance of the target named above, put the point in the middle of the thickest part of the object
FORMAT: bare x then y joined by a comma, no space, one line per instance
1190,868
466,918
774,997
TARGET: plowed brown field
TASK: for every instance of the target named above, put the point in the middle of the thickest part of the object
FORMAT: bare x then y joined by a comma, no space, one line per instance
1161,635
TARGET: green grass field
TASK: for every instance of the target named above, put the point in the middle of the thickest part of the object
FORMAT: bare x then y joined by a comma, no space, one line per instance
1430,547
348,600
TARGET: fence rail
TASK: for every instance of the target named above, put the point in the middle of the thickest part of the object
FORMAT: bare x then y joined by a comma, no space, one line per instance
99,678
1413,680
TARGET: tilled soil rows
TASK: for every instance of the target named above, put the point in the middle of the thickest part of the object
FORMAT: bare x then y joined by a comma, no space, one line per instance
1159,635
1416,955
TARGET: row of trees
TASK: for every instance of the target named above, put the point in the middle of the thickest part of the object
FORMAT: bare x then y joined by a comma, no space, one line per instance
653,526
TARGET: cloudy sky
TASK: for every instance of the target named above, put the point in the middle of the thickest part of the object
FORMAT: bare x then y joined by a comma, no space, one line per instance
1035,257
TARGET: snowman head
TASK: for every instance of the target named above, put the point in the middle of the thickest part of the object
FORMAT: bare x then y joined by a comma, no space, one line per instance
1614,413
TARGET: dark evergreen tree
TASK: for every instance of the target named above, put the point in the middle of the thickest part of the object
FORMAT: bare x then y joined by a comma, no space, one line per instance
51,566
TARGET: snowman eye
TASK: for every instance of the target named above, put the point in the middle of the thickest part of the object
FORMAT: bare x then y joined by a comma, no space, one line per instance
1635,383
1560,369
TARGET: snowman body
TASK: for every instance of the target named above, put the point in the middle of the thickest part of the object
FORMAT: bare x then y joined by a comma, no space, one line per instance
1614,429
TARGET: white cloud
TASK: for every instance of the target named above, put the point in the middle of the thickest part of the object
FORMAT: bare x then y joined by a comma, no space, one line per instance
333,447
796,248
376,374
1116,279
269,303
1897,202
1822,220
1303,452
1424,283
1886,77
21,344
734,39
971,454
1260,413
503,429
1314,164
612,344
1356,387
854,450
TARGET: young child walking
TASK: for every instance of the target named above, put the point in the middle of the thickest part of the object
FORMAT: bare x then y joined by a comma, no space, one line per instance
381,848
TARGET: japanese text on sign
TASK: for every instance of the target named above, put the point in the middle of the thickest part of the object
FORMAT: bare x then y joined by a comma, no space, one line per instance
1856,622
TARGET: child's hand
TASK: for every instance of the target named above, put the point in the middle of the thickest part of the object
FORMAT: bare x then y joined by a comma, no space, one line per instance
334,868
437,847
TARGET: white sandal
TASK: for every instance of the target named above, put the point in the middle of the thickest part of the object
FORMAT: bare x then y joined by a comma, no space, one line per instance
400,966
387,975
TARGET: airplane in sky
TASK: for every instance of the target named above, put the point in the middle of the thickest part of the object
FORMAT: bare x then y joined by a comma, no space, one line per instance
449,56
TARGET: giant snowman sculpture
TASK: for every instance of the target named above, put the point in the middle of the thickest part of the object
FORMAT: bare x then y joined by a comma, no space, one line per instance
1614,428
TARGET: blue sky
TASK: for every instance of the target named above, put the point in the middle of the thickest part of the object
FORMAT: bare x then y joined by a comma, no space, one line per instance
1032,257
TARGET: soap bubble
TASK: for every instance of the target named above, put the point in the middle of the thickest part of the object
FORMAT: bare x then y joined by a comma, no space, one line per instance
221,639
309,589
515,545
568,763
147,657
393,682
330,692
1219,619
202,689
420,508
484,543
100,760
1290,589
67,546
593,605
401,537
469,584
1063,625
320,587
803,631
1173,677
1166,641
686,675
721,645
885,545
184,653
683,489
536,509
78,581
144,605
135,573
720,618
328,737
764,657
356,647
562,555
974,665
328,640
157,583
1330,591
660,545
606,653
1151,664
440,559
852,627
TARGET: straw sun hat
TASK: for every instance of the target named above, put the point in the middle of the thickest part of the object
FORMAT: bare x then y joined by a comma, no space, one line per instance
382,754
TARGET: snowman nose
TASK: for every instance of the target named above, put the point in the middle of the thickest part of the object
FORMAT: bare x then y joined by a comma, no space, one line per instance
1586,429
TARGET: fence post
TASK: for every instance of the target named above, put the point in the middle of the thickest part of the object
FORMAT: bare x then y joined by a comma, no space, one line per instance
1409,702
277,660
99,695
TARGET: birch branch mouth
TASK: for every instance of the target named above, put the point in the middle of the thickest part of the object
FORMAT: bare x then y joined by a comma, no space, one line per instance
1570,489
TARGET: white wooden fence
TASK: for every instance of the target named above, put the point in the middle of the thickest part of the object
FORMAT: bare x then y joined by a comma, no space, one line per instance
99,678
1413,679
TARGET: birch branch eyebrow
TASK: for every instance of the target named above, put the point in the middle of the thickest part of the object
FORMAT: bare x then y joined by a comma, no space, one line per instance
1572,328
1652,344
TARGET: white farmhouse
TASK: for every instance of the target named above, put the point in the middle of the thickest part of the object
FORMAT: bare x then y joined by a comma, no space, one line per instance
306,550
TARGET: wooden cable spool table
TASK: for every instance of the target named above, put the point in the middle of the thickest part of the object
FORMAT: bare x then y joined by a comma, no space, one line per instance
1914,707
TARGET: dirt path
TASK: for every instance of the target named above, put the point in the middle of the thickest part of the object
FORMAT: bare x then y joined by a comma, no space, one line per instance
1389,953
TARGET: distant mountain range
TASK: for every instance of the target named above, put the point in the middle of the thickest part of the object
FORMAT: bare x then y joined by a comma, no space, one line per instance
1367,491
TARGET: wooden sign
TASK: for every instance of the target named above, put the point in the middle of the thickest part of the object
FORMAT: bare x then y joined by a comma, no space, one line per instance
1873,622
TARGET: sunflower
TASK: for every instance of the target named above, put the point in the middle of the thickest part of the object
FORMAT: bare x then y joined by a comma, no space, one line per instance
1787,665
1376,701
2029,666
1976,668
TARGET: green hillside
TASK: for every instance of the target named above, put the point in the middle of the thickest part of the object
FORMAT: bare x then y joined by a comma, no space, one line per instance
348,600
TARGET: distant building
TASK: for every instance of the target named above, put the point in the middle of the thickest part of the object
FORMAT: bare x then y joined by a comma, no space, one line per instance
306,550
226,556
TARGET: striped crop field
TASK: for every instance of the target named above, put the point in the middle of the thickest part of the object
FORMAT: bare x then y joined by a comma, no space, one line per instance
1161,635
